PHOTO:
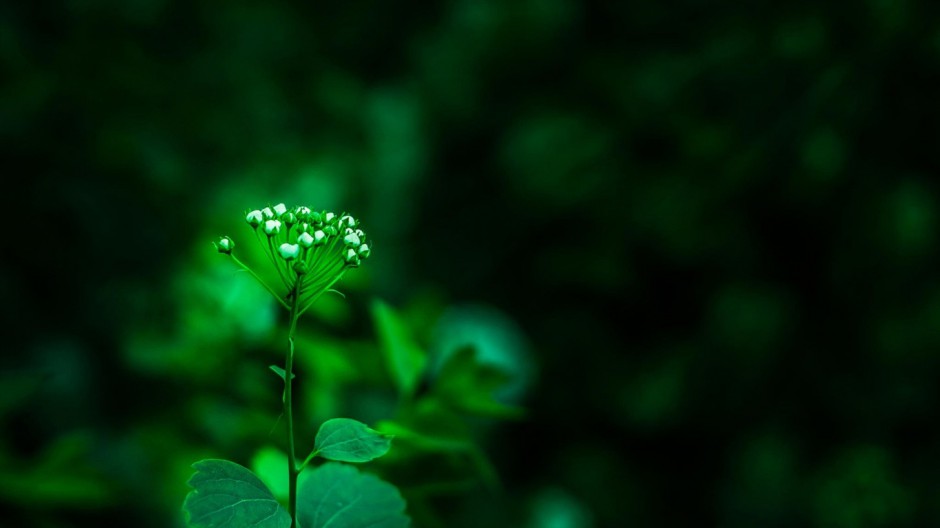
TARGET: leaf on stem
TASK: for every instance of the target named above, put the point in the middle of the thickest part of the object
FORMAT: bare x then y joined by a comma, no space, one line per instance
340,496
280,372
346,440
227,495
405,359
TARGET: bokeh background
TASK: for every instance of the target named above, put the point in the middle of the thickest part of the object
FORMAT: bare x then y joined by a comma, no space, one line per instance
699,238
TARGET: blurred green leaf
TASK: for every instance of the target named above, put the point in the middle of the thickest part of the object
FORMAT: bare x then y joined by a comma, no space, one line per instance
346,440
404,358
421,440
340,496
468,385
227,495
270,464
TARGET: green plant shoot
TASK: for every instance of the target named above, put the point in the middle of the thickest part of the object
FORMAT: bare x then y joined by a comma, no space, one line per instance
311,251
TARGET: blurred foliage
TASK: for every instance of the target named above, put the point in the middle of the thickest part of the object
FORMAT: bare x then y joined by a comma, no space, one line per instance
689,248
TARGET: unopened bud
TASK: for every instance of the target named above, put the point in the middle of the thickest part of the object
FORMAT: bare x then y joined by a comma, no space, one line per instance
289,219
289,251
305,240
272,227
352,240
280,209
300,267
254,218
319,238
352,257
364,251
225,245
347,221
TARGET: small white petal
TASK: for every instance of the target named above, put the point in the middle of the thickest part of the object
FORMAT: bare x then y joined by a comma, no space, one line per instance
280,209
254,218
319,237
225,245
272,227
352,240
268,213
305,240
289,251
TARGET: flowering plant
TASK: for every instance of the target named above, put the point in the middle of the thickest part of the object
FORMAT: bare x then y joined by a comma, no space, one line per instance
311,251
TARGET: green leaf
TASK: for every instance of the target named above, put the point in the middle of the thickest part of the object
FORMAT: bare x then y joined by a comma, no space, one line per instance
280,372
404,358
424,441
340,496
468,385
226,495
347,440
445,444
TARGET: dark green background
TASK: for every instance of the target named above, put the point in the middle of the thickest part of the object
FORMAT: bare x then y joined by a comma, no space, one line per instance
715,223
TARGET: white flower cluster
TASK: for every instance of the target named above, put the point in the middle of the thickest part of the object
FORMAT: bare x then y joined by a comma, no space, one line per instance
311,250
301,231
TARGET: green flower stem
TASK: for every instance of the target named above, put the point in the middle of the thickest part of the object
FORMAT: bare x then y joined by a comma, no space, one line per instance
269,251
321,292
277,262
308,459
326,249
259,279
292,469
315,281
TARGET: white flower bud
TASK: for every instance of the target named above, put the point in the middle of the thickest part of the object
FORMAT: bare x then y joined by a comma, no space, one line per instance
360,234
225,245
280,209
364,251
268,213
352,257
347,221
254,218
302,211
319,238
328,217
305,240
352,240
289,251
272,227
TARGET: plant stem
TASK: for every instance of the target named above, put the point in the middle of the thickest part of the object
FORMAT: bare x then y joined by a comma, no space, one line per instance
259,279
292,468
